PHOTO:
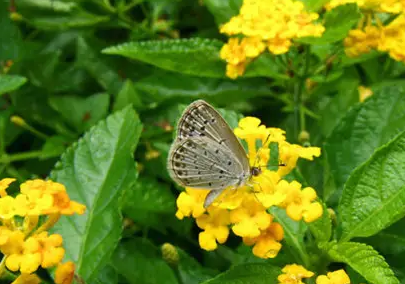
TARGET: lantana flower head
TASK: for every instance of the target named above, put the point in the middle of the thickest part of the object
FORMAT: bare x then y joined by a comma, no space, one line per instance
245,210
273,24
24,241
267,244
294,273
371,33
215,224
335,277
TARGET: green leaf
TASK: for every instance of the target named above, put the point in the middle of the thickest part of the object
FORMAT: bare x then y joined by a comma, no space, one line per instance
10,36
148,195
314,5
54,6
9,83
365,127
223,11
265,65
174,55
89,58
363,259
76,19
294,233
252,273
335,108
107,275
95,172
322,228
374,195
8,130
81,113
150,204
128,95
54,147
390,241
163,85
338,22
41,69
191,271
139,261
33,103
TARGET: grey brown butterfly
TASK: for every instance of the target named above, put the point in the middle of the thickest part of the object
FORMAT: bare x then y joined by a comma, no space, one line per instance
206,153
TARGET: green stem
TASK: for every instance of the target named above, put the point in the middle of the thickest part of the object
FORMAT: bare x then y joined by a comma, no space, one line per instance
6,159
12,172
299,113
2,266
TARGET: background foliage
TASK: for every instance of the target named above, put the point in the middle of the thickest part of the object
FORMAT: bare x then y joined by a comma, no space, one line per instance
98,84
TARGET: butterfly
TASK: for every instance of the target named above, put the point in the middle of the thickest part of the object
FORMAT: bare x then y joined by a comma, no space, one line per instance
206,154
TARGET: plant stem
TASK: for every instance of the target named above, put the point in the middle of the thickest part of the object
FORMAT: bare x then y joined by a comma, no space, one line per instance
299,113
2,266
6,159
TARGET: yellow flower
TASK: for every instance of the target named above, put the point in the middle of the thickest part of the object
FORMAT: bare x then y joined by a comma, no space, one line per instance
191,203
7,207
30,205
267,245
299,203
16,259
38,250
231,198
272,23
245,208
49,247
41,193
289,155
279,45
234,71
267,187
250,130
215,224
364,93
335,277
64,273
250,218
27,279
11,242
386,6
371,34
360,41
236,53
293,274
393,39
4,183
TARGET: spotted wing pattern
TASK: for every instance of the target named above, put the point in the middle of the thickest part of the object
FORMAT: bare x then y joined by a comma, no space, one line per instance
206,153
200,162
200,119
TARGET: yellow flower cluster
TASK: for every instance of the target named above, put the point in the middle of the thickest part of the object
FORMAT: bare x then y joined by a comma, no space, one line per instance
371,34
271,24
244,211
384,6
293,274
24,240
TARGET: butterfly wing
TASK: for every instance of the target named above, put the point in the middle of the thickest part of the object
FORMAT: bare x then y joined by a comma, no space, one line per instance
200,119
201,162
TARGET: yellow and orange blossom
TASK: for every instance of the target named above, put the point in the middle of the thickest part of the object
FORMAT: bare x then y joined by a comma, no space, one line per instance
24,242
293,274
245,210
271,24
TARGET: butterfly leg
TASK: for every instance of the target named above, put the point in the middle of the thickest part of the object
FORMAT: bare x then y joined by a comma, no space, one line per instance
251,184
